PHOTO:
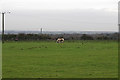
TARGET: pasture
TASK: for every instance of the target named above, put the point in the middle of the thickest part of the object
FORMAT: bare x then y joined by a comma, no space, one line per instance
71,59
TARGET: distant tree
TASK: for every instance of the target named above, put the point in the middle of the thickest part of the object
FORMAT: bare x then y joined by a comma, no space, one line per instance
86,37
105,38
99,38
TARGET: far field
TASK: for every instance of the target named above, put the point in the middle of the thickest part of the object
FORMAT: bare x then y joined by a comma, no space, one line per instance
71,59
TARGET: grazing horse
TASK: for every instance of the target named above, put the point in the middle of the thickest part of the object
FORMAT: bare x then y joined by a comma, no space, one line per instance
60,40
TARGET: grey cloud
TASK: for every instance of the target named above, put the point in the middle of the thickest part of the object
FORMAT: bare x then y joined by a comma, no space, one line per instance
66,20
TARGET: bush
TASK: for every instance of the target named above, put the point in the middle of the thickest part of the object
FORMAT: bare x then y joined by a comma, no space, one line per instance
86,37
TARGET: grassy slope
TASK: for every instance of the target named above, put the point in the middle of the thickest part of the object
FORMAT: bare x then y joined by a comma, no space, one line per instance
96,59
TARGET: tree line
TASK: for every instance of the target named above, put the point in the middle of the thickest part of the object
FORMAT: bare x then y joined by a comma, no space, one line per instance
22,36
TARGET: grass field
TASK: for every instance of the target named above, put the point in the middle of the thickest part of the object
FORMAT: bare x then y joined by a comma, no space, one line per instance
72,59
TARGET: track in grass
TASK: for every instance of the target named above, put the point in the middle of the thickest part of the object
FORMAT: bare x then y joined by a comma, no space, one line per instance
72,59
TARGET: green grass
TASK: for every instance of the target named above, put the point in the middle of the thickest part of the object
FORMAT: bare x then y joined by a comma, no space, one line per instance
72,59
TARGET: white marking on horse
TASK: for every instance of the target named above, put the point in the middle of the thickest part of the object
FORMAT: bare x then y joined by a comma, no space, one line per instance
60,40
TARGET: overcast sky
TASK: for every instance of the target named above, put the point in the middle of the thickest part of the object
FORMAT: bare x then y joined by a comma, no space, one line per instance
61,15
